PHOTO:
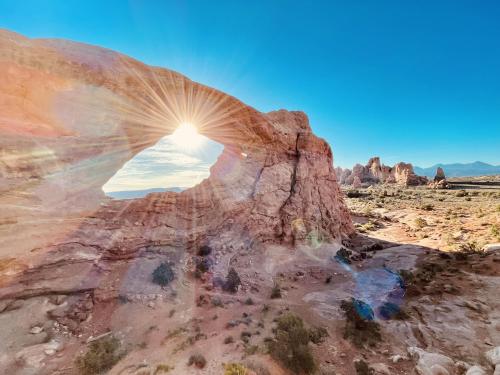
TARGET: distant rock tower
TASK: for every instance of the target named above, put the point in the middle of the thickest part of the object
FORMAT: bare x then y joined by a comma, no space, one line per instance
356,183
439,175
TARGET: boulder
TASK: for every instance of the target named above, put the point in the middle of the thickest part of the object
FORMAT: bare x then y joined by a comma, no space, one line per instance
431,363
493,356
491,247
476,370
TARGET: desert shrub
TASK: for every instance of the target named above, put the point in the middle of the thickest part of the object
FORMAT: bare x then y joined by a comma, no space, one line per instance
465,250
245,336
290,345
318,334
198,360
217,302
202,265
362,368
232,282
162,369
276,291
163,274
204,251
427,207
251,349
360,328
420,223
235,369
249,301
101,356
354,194
228,340
495,231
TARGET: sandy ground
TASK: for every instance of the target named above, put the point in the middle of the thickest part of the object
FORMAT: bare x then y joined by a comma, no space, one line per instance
453,312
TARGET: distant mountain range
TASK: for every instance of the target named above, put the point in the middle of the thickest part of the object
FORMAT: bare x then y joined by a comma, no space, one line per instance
131,194
477,168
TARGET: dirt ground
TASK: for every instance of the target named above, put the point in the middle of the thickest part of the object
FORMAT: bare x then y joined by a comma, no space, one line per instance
427,244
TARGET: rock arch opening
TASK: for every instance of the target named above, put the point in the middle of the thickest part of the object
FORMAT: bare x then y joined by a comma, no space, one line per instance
175,163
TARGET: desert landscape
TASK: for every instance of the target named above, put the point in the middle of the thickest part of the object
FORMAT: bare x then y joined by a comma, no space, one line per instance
277,263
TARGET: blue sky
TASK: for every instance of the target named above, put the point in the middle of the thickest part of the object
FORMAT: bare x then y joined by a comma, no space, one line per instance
415,81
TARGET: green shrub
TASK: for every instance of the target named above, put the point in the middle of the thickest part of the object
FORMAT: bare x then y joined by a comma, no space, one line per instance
420,223
232,282
360,329
101,356
290,345
163,274
465,250
318,334
276,291
495,231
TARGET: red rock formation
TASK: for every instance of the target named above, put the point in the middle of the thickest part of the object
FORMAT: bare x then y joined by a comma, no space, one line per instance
375,172
439,181
439,174
73,114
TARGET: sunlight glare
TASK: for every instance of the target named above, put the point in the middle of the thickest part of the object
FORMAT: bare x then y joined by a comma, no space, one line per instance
187,137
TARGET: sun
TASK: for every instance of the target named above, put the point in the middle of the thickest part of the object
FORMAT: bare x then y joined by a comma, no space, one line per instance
186,136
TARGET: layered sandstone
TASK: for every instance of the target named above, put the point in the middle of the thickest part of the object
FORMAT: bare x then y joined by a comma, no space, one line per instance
74,114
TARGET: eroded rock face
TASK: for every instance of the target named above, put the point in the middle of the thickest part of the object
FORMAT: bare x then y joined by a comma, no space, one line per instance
73,114
375,172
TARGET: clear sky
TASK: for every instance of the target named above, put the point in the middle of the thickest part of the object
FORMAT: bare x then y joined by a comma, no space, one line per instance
417,81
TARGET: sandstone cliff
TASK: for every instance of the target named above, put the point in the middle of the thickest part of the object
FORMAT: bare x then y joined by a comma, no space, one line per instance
73,114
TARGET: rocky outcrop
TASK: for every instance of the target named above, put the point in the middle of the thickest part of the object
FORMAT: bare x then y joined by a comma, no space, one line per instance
375,172
439,181
74,114
439,175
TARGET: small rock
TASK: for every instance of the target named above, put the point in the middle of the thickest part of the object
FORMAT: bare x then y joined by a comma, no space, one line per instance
151,304
461,367
473,306
493,356
476,370
36,330
396,358
49,351
492,247
438,370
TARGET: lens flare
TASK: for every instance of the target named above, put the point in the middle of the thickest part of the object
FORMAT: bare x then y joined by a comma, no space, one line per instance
186,136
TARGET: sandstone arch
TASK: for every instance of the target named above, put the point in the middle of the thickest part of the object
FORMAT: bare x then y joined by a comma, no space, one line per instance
73,114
